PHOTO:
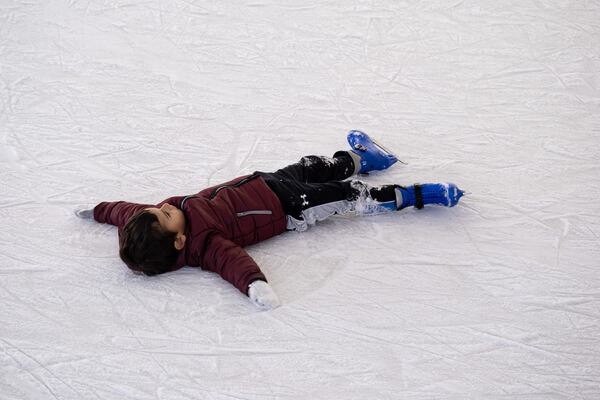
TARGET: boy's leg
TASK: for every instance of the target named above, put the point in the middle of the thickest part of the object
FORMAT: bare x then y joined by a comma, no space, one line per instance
307,203
318,169
365,156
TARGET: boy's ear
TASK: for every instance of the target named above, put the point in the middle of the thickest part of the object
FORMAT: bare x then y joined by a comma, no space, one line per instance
179,242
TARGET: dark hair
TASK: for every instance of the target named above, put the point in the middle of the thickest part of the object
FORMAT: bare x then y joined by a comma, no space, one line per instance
145,247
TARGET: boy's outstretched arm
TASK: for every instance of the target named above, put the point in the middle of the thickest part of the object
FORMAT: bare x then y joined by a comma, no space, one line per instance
114,212
235,266
117,212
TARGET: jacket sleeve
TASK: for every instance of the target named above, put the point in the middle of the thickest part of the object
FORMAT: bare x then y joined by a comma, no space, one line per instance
117,212
231,262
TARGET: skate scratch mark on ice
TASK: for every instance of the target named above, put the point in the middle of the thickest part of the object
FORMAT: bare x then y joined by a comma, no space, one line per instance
20,203
421,331
449,358
250,152
280,320
137,339
362,66
452,359
96,166
223,352
33,309
10,98
278,115
49,197
521,344
37,378
563,309
503,74
25,150
473,242
23,260
483,287
232,149
157,317
526,214
560,239
456,5
375,339
23,368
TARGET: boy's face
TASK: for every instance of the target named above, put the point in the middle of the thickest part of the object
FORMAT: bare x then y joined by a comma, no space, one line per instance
171,219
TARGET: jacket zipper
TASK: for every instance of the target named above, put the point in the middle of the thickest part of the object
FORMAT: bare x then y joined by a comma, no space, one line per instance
254,212
240,183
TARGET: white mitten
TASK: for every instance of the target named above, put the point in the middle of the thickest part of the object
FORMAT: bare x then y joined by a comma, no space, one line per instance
84,212
263,296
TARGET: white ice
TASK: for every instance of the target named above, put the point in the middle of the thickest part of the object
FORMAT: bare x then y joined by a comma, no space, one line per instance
497,298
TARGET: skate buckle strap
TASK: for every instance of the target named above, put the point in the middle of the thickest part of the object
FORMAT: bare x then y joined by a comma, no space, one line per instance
418,197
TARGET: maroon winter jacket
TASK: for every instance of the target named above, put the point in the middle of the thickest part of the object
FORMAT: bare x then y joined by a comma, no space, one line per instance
220,220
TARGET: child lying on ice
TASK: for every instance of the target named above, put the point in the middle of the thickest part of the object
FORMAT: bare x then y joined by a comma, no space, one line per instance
209,229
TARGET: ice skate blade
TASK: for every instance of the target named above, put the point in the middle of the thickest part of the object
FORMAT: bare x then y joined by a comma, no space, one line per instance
361,141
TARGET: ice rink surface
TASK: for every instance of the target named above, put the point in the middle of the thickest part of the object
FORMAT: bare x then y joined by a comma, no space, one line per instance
498,298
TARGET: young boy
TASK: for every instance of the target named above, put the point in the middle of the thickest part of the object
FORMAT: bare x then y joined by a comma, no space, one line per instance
209,229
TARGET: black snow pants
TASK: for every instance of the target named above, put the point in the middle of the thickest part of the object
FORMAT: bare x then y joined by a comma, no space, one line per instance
315,188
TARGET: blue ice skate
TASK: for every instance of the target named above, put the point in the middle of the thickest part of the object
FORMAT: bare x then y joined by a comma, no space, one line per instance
373,156
443,194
